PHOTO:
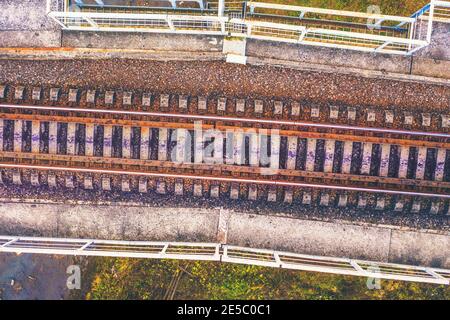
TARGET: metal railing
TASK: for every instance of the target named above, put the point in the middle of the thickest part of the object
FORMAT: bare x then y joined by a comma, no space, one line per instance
369,32
160,23
118,4
440,11
322,37
223,253
265,21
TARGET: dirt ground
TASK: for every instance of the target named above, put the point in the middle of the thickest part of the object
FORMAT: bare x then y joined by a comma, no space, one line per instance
34,277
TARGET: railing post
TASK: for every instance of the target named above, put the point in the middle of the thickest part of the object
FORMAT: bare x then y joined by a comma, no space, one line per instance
434,274
384,45
164,249
170,23
9,242
302,35
48,7
57,20
412,28
357,267
91,22
430,21
88,243
221,8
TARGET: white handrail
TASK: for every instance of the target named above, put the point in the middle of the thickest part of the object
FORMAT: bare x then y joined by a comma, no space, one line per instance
284,32
223,253
328,11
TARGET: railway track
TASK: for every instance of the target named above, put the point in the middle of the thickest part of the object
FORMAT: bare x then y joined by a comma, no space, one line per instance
71,144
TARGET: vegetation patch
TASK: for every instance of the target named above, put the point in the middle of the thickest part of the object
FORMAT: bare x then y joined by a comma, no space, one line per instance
118,278
388,7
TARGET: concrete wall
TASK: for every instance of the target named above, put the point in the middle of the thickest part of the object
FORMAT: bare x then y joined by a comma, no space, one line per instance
108,222
434,60
431,67
142,41
328,56
24,24
340,239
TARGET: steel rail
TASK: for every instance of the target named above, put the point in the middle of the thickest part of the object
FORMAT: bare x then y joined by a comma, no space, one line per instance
236,119
221,179
228,168
225,168
225,128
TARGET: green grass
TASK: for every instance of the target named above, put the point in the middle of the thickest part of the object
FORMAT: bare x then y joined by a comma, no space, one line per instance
112,278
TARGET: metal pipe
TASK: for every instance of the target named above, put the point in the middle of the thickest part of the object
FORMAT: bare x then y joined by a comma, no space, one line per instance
221,8
236,119
222,253
224,179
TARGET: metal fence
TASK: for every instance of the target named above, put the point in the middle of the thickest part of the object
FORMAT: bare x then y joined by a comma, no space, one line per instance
440,11
160,23
368,32
223,253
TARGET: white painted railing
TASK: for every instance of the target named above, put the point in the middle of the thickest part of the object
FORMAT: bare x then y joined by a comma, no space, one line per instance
322,37
223,253
160,23
304,11
440,12
375,32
